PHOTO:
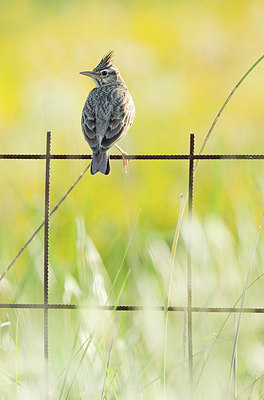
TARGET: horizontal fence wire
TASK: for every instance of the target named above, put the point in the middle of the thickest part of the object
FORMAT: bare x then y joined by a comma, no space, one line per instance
135,157
51,306
158,308
13,156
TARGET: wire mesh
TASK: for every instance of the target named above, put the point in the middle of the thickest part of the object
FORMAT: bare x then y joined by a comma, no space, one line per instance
46,306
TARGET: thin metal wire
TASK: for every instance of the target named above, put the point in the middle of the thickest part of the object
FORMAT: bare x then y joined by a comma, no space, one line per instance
46,265
39,306
42,223
190,309
189,270
135,157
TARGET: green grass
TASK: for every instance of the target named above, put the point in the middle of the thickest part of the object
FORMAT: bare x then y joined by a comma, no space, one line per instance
124,239
79,356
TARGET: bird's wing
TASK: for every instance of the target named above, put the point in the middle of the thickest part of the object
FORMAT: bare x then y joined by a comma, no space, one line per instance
89,123
121,118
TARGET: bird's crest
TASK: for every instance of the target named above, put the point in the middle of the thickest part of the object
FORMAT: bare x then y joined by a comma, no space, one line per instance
106,62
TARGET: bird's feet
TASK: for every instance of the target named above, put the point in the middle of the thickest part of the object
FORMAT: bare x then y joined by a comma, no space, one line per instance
125,160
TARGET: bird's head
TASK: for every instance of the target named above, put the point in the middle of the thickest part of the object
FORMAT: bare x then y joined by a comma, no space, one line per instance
105,73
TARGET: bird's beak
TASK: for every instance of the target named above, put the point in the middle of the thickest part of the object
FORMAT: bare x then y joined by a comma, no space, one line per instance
91,74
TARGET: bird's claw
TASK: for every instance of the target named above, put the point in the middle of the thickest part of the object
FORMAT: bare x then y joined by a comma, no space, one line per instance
125,161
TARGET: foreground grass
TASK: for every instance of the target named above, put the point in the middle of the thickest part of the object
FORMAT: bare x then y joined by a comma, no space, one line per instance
119,355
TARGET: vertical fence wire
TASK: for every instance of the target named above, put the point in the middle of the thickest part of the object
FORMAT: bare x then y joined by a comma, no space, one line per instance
46,265
189,271
187,310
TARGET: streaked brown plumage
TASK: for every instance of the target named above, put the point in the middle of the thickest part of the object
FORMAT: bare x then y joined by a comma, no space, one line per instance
107,114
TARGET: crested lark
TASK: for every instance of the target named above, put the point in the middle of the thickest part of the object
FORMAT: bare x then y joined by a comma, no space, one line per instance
107,114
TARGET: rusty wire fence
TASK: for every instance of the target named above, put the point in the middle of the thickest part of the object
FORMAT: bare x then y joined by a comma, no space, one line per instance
189,309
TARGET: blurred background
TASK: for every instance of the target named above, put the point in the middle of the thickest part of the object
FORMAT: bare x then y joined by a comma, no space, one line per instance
180,60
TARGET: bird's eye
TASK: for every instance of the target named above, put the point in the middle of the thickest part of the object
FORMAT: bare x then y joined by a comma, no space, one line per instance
104,73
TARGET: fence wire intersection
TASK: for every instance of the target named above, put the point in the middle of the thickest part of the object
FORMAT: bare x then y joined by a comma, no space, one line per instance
46,306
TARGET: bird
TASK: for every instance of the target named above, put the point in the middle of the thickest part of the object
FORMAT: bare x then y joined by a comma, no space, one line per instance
108,113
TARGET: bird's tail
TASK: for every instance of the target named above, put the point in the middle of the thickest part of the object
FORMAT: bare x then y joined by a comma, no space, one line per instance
100,163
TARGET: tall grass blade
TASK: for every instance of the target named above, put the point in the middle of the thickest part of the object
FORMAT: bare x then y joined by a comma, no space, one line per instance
228,316
171,268
225,104
242,304
106,369
103,396
78,367
67,369
252,388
